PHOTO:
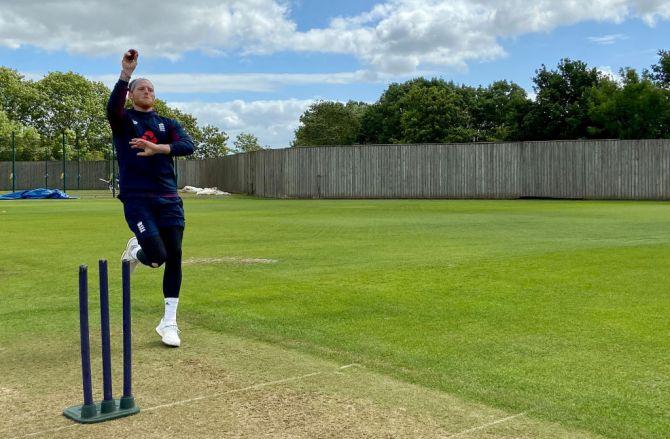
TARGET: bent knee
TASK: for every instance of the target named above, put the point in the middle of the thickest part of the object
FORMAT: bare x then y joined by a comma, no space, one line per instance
157,259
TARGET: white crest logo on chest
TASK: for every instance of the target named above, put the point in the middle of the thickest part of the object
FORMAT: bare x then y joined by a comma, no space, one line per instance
134,121
161,127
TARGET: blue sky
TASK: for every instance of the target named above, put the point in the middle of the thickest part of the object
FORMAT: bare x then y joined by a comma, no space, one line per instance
255,65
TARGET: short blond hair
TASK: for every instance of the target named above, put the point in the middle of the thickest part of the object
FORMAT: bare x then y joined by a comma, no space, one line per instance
134,82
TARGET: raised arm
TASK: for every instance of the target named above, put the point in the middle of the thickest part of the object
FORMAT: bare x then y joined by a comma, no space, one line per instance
117,100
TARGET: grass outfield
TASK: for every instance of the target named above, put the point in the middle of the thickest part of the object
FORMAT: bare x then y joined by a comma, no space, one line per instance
557,310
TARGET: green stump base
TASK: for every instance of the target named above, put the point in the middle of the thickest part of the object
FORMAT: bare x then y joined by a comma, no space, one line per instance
102,411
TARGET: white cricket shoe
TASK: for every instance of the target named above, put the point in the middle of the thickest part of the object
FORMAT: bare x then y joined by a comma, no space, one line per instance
169,333
127,254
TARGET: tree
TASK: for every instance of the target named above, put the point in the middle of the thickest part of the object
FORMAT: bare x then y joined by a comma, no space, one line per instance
637,109
561,108
661,71
247,142
330,123
434,112
422,110
381,123
499,110
19,99
212,145
25,138
73,105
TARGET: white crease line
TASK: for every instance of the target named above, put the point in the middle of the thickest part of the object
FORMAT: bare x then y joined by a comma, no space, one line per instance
350,365
481,427
186,401
199,398
53,430
213,395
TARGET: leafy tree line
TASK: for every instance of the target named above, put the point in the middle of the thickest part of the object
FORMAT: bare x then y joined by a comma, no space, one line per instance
38,113
572,101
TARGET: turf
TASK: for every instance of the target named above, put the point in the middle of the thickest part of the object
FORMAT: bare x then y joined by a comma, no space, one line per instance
557,309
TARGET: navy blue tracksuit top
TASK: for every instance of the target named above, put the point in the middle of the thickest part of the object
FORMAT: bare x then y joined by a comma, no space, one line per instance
144,176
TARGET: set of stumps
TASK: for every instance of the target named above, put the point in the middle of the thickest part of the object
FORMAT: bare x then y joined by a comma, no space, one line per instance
109,408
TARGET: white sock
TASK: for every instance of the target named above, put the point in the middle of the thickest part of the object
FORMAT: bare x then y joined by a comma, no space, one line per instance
171,310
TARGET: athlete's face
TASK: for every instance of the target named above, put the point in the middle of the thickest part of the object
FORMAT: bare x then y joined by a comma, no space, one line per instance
143,95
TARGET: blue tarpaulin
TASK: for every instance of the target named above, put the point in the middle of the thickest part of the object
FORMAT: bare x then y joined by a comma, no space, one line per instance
36,194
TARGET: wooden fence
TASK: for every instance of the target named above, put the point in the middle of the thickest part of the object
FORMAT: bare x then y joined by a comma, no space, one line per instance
84,175
603,169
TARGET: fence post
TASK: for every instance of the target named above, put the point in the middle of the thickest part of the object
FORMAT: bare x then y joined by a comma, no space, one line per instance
113,170
13,162
76,143
63,174
108,160
46,164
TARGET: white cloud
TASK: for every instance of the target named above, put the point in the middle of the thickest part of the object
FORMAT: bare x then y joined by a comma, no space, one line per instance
608,39
251,82
653,10
165,28
609,73
400,36
209,83
273,122
397,36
